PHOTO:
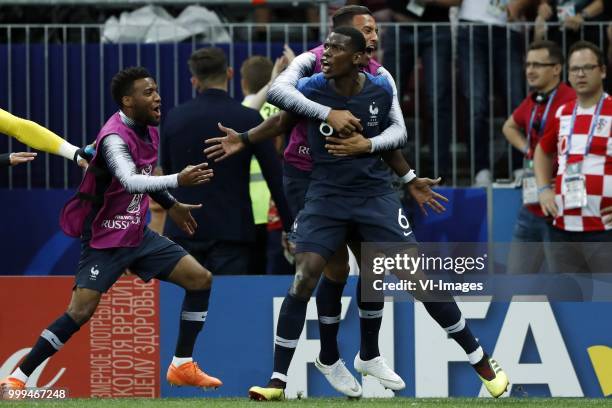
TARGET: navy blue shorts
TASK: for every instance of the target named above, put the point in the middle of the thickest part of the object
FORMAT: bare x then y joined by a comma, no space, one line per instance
322,226
156,257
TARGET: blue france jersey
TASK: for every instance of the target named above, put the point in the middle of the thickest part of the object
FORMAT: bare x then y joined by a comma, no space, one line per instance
364,175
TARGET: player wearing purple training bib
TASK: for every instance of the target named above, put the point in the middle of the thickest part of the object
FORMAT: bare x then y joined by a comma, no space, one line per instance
108,214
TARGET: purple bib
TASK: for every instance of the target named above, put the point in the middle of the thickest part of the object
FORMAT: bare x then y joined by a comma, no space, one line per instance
121,220
297,152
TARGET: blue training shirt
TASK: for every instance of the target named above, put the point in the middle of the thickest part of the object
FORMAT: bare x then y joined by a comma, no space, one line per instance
365,175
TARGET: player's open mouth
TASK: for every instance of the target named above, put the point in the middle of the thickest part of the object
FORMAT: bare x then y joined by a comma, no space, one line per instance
370,49
157,111
325,66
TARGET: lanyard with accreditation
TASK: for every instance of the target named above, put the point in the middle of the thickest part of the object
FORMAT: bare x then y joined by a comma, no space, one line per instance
573,182
530,187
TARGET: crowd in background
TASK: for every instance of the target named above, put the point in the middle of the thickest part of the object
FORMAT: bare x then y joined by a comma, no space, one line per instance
482,68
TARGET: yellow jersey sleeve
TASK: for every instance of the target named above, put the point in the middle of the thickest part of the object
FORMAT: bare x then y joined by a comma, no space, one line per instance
35,136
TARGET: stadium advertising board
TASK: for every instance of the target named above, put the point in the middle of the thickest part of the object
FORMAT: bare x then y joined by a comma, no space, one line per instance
547,349
115,355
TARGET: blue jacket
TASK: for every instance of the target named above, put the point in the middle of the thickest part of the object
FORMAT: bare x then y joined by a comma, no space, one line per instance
226,212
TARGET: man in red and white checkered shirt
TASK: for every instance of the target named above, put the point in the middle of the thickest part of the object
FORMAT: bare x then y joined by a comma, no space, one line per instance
580,135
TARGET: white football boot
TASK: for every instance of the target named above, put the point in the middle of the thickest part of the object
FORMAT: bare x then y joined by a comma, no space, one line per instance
378,368
340,378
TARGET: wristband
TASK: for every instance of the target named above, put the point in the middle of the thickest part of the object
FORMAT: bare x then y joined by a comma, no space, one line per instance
90,150
543,188
408,177
87,153
244,138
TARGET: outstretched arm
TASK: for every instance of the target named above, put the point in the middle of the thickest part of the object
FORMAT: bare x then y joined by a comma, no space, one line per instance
13,159
233,142
120,163
33,135
178,212
419,188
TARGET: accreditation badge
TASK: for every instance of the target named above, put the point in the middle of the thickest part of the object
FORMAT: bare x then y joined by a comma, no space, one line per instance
573,187
530,188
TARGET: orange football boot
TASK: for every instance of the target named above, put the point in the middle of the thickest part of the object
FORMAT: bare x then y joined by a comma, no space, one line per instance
190,374
10,383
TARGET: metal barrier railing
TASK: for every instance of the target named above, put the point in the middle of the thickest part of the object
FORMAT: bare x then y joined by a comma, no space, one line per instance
457,84
461,96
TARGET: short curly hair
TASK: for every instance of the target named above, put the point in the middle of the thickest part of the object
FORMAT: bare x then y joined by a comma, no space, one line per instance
122,82
344,15
357,42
